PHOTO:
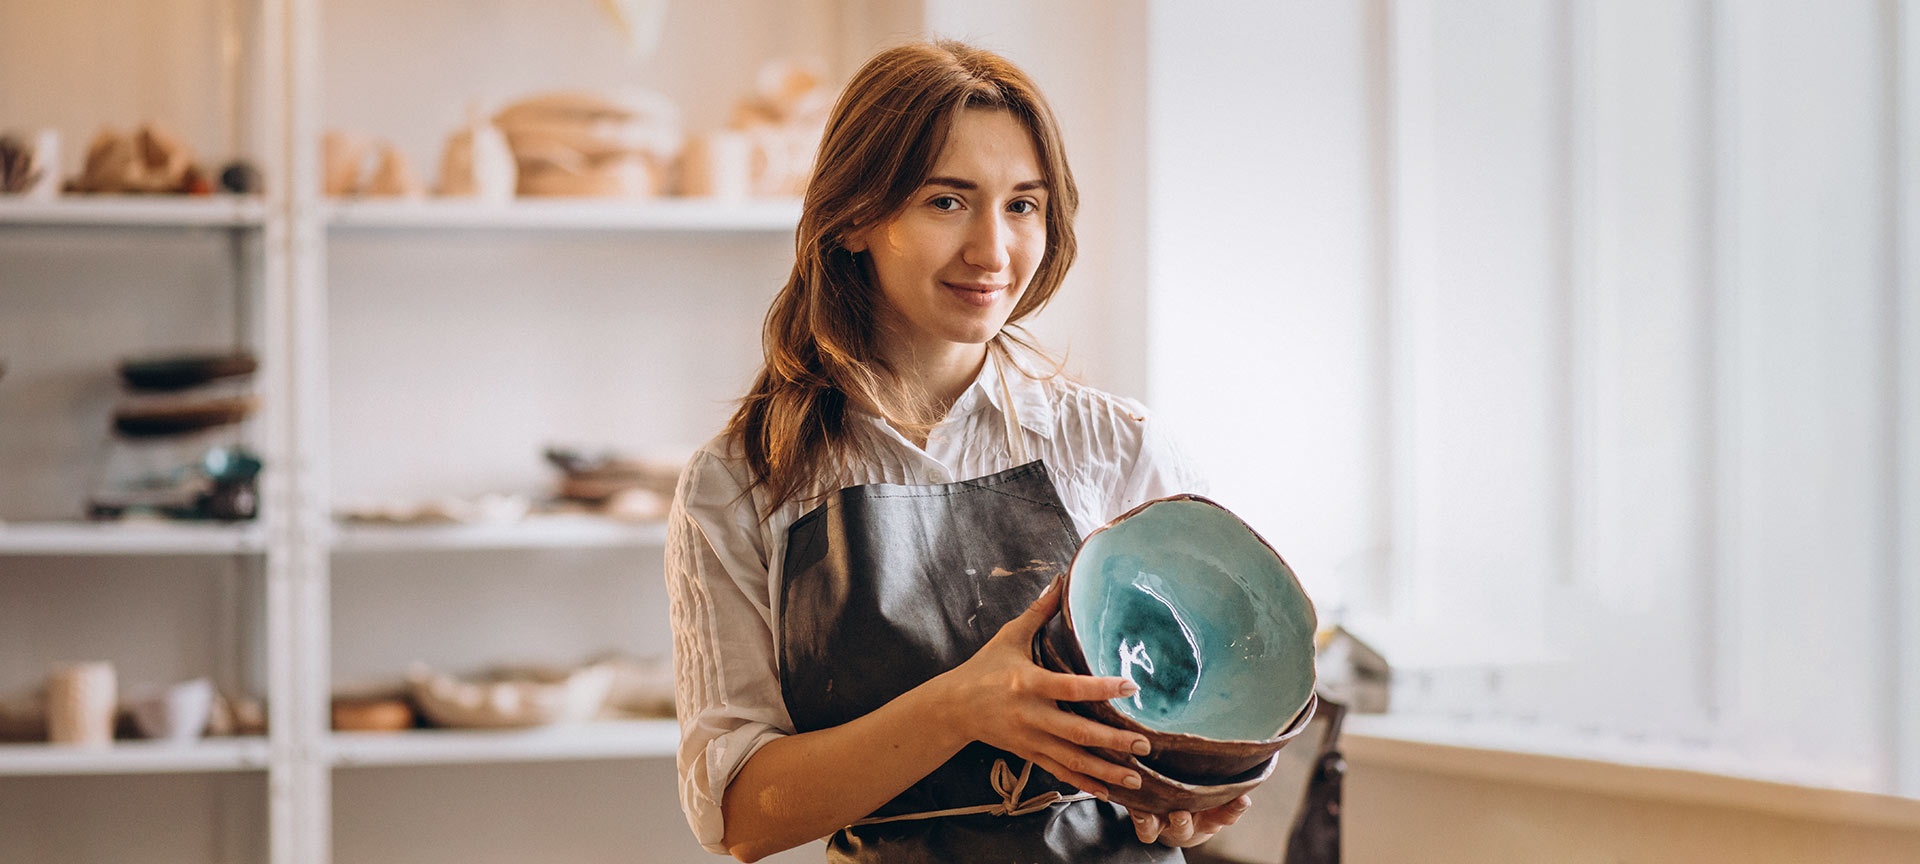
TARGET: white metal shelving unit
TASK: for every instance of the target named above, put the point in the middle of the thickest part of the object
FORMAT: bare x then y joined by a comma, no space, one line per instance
157,211
136,757
632,739
130,538
292,550
540,532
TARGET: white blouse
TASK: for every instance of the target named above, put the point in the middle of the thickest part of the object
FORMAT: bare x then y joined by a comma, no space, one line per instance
723,560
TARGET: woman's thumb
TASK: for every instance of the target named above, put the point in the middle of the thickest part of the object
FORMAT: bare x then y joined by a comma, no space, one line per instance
1037,614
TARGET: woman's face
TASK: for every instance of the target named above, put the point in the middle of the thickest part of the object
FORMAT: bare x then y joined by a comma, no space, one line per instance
951,265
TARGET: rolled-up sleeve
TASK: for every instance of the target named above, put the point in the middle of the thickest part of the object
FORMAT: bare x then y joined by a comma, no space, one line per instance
727,690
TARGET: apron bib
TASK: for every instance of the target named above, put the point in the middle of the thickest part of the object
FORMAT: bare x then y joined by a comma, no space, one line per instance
886,586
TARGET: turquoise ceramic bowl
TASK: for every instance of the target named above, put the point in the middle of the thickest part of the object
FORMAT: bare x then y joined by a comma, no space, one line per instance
1188,602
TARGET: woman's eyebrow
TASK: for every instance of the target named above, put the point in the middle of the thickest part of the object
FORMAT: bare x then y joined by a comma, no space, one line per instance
969,185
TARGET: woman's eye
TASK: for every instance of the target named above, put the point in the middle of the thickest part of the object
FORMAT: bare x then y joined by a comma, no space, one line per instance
1023,207
945,202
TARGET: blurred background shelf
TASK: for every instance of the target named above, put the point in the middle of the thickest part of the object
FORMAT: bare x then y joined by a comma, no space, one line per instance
217,211
627,739
543,532
135,757
130,538
662,214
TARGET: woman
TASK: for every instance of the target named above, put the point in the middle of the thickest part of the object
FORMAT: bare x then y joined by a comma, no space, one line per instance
854,562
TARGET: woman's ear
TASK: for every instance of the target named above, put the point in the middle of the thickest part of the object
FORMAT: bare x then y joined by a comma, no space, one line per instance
855,241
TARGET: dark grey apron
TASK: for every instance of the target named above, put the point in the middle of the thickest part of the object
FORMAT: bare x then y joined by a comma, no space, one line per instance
885,587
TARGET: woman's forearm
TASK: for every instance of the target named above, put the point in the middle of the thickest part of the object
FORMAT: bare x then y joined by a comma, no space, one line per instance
800,788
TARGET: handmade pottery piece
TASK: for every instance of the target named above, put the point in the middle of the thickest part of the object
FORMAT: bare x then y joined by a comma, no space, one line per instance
1184,599
175,416
394,176
81,702
181,371
511,698
178,713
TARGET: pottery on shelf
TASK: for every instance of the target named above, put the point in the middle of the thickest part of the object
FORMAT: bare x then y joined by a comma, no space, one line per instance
511,698
1185,600
82,699
178,713
182,371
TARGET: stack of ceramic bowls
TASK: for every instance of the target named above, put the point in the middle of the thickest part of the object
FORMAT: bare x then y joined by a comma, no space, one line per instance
1184,599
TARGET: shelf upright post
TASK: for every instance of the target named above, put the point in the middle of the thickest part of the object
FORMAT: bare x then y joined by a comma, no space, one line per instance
302,781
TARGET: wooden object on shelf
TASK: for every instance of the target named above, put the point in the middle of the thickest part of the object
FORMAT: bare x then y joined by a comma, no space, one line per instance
372,714
81,703
579,144
24,717
342,155
395,177
151,160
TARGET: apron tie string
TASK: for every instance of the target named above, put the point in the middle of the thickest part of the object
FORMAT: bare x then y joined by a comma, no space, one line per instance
1007,785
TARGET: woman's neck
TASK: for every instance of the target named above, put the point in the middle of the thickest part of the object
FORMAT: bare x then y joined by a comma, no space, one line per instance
939,374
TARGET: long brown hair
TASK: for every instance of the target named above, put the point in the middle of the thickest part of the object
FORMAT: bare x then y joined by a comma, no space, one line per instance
822,331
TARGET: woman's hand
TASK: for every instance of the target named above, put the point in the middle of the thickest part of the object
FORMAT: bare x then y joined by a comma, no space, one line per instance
1181,828
1001,697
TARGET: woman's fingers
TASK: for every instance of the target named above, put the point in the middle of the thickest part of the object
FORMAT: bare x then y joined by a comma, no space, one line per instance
1079,730
1067,687
1146,826
1182,828
1078,762
1178,830
1070,777
1022,628
1211,821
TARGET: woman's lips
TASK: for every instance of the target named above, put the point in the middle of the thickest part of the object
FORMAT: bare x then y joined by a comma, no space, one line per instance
976,295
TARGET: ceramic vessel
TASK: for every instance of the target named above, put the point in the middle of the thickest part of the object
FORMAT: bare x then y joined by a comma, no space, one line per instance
511,698
81,700
1184,599
178,713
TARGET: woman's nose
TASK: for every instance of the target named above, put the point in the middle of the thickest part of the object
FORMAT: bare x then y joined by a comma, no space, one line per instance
986,246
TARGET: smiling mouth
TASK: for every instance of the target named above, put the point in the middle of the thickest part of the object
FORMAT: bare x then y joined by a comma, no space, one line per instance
978,295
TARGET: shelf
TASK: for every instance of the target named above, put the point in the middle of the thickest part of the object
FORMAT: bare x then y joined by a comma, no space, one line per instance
663,214
627,739
135,757
130,538
539,532
1548,759
157,211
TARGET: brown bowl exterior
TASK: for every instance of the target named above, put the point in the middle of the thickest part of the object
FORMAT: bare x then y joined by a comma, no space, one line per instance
1161,794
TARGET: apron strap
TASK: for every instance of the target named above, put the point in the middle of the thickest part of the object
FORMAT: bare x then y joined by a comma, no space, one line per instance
1016,441
1007,786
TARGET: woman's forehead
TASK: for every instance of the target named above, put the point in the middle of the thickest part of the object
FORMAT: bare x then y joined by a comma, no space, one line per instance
988,146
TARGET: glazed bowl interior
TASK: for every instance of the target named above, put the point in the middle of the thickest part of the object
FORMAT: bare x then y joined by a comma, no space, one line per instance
1183,599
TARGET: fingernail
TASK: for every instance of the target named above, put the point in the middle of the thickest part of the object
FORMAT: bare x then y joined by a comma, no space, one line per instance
1141,818
1128,688
1142,748
1240,805
1181,819
1131,781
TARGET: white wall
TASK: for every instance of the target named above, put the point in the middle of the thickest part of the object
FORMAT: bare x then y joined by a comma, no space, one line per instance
1555,344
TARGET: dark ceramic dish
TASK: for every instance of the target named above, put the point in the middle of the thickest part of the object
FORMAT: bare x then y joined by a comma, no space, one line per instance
180,372
1184,599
